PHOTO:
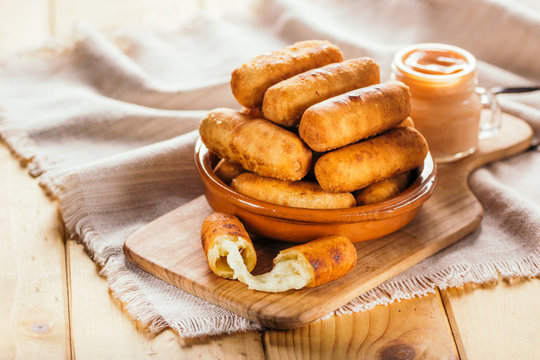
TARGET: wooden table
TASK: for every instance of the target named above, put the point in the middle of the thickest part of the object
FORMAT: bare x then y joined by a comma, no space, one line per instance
55,305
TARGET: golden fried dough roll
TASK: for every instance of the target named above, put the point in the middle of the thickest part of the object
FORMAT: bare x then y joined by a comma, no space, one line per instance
255,112
300,194
226,170
357,166
307,265
329,258
285,102
407,122
384,190
353,116
218,230
258,145
250,81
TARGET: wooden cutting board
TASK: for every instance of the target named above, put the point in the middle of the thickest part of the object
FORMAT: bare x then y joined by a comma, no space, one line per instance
170,248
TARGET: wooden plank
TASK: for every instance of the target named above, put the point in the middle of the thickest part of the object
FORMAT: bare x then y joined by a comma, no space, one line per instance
493,321
451,213
33,309
412,329
23,23
100,329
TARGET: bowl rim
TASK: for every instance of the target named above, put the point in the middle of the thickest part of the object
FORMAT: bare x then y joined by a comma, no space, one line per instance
411,198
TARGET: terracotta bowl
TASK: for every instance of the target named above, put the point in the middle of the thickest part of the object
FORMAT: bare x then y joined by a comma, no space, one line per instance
302,225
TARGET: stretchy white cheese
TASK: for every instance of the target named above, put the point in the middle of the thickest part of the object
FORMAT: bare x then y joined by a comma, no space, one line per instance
288,272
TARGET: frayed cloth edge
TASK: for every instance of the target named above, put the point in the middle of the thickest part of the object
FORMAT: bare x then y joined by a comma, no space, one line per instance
118,276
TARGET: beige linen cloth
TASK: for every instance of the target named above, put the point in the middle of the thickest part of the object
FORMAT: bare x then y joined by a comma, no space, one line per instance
109,125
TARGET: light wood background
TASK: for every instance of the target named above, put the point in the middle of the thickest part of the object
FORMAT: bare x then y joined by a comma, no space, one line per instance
54,305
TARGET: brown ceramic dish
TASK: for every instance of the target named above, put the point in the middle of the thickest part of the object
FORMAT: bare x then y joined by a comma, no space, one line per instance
301,225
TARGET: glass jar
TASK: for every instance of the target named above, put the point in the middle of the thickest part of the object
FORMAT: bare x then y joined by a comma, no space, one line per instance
445,101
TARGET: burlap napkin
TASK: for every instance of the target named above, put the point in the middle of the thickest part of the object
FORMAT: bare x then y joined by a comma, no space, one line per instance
109,124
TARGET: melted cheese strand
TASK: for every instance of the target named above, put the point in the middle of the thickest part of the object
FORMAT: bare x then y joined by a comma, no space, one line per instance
287,274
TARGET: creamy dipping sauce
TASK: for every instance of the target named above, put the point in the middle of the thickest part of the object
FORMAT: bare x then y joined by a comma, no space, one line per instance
444,105
435,62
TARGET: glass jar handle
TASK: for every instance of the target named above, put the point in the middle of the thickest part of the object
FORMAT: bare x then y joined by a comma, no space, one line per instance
489,125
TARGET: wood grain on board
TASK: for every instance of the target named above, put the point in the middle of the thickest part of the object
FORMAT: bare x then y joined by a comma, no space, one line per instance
170,249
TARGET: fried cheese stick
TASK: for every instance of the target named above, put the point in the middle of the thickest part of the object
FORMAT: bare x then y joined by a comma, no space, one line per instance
300,194
383,190
353,116
285,102
250,81
227,171
308,265
258,145
219,229
359,165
